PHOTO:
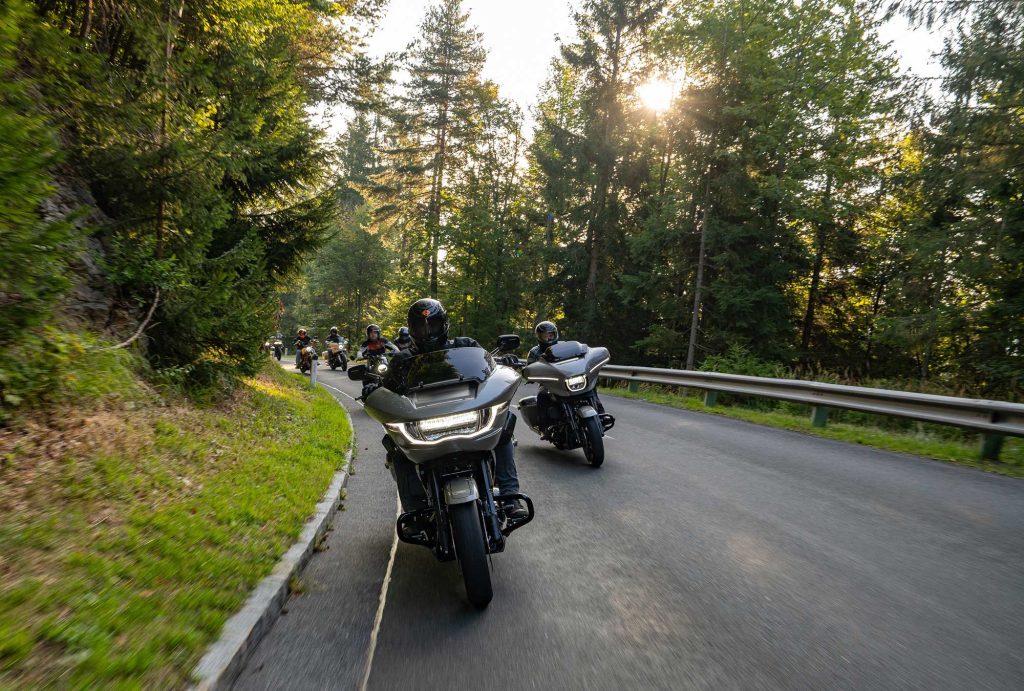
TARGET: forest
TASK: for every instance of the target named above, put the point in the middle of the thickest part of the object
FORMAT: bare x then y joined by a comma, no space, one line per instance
788,202
794,205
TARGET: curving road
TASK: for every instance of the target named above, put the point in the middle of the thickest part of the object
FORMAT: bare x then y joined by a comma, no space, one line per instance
707,553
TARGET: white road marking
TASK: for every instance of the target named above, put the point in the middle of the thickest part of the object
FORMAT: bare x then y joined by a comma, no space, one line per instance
608,436
380,607
335,388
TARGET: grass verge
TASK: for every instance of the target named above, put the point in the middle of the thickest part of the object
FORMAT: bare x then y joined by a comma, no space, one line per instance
132,526
922,443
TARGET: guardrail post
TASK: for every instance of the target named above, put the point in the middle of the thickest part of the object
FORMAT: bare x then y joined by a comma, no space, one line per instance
312,374
710,398
991,445
634,386
819,415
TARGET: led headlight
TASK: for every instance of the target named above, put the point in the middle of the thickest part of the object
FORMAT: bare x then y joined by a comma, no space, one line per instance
382,368
458,425
576,383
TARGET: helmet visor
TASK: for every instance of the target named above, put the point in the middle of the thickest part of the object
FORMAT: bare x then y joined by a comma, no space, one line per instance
426,328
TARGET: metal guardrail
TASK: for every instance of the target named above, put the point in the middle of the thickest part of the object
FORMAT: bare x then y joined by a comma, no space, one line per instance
994,419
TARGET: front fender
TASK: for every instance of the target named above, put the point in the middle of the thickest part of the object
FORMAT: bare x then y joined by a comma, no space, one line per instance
585,411
460,490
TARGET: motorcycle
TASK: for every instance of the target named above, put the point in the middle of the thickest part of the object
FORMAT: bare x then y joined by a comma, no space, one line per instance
306,357
373,373
449,421
568,371
335,355
278,349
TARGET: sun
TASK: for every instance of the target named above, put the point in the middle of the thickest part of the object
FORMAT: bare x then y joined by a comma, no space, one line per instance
657,94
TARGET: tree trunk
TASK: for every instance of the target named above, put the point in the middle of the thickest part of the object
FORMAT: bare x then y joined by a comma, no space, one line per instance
691,350
820,238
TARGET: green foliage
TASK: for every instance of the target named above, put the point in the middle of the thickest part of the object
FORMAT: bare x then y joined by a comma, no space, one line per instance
190,124
798,201
739,360
49,367
33,251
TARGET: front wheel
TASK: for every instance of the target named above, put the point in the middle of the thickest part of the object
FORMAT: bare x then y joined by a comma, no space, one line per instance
468,535
593,441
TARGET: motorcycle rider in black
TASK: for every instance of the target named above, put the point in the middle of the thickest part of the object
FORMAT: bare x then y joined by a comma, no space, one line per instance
375,344
428,327
301,341
547,336
333,337
404,340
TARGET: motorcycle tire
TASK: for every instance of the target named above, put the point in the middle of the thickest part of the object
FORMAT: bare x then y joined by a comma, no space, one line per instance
468,536
593,441
334,367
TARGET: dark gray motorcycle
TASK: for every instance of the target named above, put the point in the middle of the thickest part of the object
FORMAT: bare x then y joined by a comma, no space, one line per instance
448,423
568,371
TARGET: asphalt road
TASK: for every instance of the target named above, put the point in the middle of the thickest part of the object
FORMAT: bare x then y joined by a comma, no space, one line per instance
706,553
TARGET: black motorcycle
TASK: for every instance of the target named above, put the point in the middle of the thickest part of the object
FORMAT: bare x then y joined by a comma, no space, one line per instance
568,371
451,417
372,373
278,349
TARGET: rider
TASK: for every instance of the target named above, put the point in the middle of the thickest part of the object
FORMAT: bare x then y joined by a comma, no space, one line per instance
301,341
404,340
428,326
375,344
334,337
547,336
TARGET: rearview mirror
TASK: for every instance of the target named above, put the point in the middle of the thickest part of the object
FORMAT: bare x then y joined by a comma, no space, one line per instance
508,342
357,372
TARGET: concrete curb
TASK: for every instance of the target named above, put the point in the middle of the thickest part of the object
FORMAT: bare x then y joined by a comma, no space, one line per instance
225,659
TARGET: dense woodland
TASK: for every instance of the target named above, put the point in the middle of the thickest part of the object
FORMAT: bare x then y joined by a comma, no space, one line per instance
799,207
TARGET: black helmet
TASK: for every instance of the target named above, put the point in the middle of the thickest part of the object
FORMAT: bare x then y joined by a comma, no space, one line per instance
403,332
428,324
547,333
334,329
371,328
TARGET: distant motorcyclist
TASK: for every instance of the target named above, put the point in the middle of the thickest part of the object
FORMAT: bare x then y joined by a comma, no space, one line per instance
375,344
547,336
428,327
301,341
404,340
334,337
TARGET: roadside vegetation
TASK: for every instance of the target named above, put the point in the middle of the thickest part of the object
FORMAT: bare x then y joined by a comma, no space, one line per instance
135,520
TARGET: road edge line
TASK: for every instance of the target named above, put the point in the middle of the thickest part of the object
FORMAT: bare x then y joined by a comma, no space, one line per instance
224,660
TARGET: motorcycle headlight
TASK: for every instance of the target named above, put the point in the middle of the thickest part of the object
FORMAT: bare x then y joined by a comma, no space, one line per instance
382,368
459,425
576,383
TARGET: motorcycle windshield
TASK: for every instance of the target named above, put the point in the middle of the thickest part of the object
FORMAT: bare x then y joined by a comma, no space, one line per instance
565,350
448,367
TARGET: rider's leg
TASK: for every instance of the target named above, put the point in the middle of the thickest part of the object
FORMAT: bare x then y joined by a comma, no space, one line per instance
504,460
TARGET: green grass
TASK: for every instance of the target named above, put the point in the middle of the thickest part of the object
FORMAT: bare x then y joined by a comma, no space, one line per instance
129,534
944,445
